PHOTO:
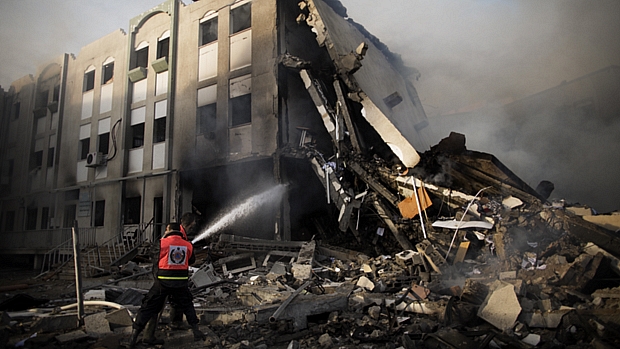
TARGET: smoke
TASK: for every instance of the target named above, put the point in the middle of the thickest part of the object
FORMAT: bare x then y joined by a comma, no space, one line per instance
474,54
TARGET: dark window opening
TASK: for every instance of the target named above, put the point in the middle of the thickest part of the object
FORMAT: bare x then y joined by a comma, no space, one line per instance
137,135
108,72
162,48
69,219
206,119
36,160
31,219
241,18
72,195
45,213
104,143
159,132
142,57
132,210
50,157
208,31
84,148
241,110
89,81
9,221
99,213
41,101
15,110
56,96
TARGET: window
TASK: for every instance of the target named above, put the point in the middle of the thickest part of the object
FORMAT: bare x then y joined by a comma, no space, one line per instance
37,160
69,219
41,101
132,210
50,157
89,81
104,143
31,218
84,148
206,112
240,103
142,57
9,221
163,46
137,135
99,213
208,31
206,120
56,96
241,18
159,131
45,213
108,72
15,110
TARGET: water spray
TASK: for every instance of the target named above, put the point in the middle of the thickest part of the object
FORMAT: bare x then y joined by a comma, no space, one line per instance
245,208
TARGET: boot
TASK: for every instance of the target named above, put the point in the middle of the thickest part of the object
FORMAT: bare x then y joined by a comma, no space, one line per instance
149,332
134,338
198,335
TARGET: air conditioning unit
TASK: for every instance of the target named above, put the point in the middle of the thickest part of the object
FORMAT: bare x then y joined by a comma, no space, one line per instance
94,159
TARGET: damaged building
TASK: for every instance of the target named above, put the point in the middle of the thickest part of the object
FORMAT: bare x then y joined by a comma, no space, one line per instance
303,137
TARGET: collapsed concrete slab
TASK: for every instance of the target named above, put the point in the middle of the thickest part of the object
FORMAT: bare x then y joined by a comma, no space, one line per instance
501,308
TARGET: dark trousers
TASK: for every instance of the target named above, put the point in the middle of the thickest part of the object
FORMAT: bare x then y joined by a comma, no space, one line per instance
155,300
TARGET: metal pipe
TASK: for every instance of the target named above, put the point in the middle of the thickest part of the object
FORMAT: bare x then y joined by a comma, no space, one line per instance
78,273
273,318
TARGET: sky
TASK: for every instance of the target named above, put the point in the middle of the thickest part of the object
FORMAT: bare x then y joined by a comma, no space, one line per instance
468,52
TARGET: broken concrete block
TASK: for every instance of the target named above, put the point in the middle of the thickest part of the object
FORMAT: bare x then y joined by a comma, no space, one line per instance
507,275
71,337
302,271
531,339
550,319
278,268
501,308
96,325
374,312
94,295
205,276
119,318
326,341
365,283
56,323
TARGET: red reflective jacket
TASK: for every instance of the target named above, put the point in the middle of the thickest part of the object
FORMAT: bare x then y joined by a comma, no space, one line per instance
175,256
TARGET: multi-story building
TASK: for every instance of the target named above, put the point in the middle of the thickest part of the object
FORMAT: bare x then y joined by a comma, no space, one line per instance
196,107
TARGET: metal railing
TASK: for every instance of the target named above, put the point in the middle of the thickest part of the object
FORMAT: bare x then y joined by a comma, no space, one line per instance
64,251
101,257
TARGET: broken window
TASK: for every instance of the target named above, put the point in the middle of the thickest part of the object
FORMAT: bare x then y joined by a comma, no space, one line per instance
208,31
99,213
132,210
89,80
240,103
240,18
31,218
108,72
142,57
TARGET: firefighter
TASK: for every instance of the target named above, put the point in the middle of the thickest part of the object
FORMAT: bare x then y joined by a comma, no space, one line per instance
188,224
171,272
